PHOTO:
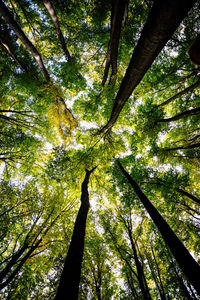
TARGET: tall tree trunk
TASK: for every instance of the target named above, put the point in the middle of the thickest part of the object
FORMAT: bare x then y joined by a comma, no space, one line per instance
184,92
27,43
70,278
187,113
56,24
163,20
118,11
140,272
189,266
11,53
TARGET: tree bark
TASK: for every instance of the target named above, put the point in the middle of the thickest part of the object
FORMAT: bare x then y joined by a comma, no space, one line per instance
189,266
56,24
118,11
70,278
187,113
163,20
185,91
11,53
27,43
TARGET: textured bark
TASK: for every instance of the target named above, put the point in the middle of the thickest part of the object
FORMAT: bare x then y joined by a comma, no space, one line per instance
183,92
163,20
70,278
187,113
189,266
27,43
118,11
11,53
56,24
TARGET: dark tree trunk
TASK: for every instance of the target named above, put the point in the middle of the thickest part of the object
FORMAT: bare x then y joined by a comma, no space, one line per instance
187,113
11,53
20,265
163,20
27,43
140,272
192,197
184,92
191,146
70,278
12,262
119,8
56,24
189,266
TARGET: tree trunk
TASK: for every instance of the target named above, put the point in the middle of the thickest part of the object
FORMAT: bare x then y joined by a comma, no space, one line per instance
11,53
117,15
192,197
189,266
70,278
185,91
27,43
56,24
187,113
140,272
191,146
163,20
20,265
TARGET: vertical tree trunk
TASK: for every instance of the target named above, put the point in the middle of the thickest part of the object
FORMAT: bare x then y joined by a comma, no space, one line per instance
163,19
140,272
70,278
189,266
56,24
27,43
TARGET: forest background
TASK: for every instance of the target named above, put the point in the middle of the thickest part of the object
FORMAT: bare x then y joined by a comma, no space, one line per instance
106,84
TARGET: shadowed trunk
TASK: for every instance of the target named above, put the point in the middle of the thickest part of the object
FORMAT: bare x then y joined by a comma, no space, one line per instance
163,20
56,24
187,113
11,53
192,146
140,272
118,12
20,265
27,43
184,92
189,266
70,278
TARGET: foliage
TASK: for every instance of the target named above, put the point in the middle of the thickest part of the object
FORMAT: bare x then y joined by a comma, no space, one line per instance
50,132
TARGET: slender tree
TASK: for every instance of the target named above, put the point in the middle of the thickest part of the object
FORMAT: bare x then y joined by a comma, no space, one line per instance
27,43
187,113
118,14
70,277
163,20
183,92
49,6
189,266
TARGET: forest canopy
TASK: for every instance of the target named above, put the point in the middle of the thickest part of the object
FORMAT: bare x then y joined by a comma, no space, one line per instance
100,149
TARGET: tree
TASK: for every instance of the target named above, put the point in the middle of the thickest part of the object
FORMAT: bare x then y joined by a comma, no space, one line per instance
181,254
64,67
70,278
